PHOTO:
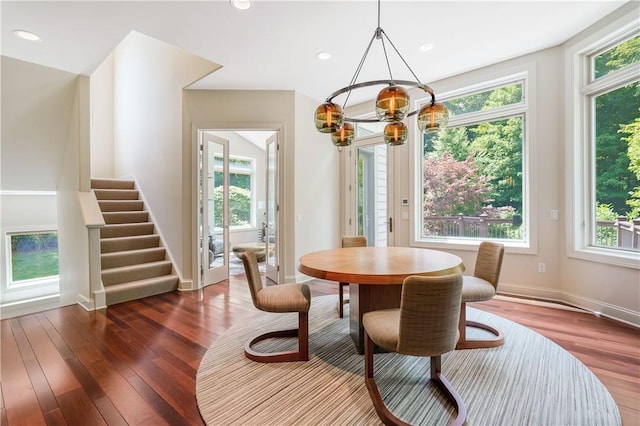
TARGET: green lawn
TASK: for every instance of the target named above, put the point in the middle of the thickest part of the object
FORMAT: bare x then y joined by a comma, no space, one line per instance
36,264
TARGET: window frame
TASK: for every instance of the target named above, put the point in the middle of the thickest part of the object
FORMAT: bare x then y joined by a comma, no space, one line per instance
484,82
580,132
9,284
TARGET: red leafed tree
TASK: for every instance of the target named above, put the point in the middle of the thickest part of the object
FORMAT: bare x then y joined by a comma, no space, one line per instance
453,187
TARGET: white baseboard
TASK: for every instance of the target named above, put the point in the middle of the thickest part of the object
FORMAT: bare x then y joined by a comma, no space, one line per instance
86,303
186,285
597,307
29,306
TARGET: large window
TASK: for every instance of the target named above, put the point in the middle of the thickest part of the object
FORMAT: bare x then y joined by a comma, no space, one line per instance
241,196
472,177
609,201
32,258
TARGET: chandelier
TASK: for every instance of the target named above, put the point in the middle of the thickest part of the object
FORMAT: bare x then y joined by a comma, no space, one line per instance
392,104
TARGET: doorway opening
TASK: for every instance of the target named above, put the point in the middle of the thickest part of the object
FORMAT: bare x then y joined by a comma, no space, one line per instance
370,191
236,201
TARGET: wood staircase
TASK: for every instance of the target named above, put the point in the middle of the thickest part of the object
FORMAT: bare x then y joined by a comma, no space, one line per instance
134,264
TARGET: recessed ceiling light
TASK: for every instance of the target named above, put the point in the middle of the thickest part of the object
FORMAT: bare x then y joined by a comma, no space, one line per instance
426,46
323,56
241,4
26,35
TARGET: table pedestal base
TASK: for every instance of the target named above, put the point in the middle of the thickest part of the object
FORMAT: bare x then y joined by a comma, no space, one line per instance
367,298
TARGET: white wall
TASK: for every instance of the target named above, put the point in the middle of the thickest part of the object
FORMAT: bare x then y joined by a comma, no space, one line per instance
37,102
102,120
317,182
149,76
592,281
73,246
44,147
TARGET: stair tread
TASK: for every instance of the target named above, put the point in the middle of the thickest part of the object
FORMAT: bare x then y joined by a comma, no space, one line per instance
137,266
131,224
132,252
131,237
107,183
116,194
114,230
129,242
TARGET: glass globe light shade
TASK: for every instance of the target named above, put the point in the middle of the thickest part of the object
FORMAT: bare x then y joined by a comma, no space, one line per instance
392,103
344,136
395,133
328,117
432,118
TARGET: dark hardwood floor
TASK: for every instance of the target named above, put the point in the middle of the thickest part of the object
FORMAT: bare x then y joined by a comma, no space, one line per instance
135,363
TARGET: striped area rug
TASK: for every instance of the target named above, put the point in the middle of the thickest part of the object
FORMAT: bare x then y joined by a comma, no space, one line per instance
528,381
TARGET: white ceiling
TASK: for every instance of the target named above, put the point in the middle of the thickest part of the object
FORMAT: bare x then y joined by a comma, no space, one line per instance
273,44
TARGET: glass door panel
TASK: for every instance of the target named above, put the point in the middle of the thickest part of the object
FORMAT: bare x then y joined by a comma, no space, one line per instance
271,228
371,195
214,207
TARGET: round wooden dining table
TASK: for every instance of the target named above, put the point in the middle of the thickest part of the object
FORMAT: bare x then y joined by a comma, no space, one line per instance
375,275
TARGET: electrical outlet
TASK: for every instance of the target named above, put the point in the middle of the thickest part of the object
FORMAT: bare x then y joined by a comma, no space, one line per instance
554,214
542,267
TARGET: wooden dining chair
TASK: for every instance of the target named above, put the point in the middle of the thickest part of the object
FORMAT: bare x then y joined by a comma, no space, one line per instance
483,285
426,324
280,299
348,241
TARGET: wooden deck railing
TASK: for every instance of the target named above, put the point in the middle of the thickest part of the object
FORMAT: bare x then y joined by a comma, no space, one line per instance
620,233
474,227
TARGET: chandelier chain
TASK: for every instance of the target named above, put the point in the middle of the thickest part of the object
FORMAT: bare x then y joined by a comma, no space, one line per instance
386,58
399,55
358,69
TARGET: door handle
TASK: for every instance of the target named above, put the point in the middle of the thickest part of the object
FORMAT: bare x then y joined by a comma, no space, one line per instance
390,224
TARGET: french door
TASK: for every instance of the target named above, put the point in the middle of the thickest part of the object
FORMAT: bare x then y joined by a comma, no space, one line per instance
272,208
214,208
370,191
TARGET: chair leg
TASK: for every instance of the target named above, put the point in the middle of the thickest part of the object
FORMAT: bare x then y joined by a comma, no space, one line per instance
383,412
465,343
302,333
452,395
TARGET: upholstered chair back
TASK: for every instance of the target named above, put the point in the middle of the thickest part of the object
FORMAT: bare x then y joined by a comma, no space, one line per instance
489,262
354,241
429,313
253,276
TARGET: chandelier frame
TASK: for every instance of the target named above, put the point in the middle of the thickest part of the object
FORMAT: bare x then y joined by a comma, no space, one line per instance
352,87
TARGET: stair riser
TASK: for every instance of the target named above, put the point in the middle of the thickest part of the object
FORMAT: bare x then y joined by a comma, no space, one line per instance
120,205
135,273
125,217
132,291
126,230
112,184
116,194
133,243
119,259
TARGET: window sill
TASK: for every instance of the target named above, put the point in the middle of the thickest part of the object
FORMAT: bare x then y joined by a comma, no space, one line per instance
626,259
